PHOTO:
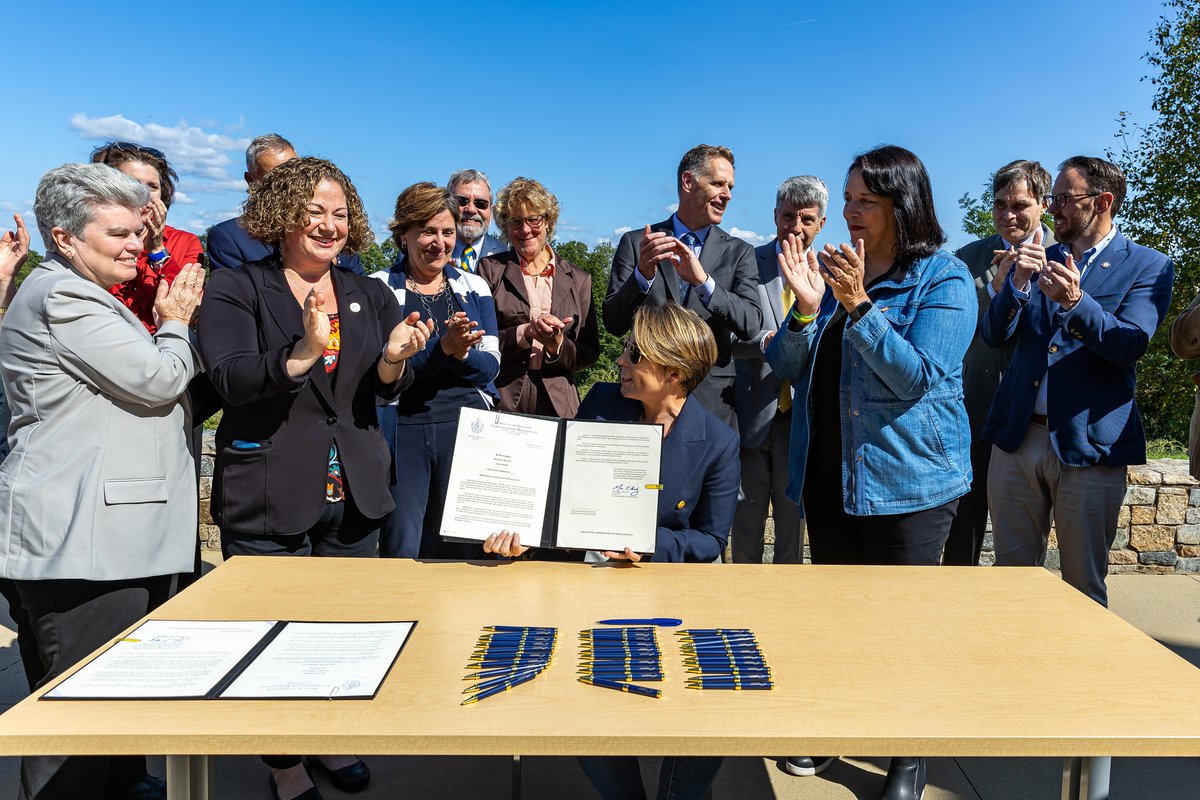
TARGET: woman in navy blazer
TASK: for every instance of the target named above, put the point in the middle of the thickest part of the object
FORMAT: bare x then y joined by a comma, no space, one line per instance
668,353
299,351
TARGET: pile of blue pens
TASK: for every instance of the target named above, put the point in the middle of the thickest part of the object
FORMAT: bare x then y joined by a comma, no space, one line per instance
611,657
724,658
506,656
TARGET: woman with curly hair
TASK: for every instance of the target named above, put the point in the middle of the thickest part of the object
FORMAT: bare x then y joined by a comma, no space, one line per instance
299,352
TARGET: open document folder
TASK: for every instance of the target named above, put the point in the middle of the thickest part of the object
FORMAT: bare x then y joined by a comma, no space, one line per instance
576,484
194,660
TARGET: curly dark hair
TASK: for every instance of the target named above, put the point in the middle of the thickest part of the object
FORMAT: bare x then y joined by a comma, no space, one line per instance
278,202
114,154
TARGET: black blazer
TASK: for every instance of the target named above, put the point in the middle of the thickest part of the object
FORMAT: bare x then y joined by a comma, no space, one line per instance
249,322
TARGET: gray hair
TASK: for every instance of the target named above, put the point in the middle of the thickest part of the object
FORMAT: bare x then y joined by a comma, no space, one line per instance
67,197
1036,177
803,191
261,145
469,176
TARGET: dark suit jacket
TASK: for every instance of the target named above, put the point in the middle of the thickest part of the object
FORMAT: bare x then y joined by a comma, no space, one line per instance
700,475
571,296
757,387
983,366
249,322
1087,355
732,314
229,246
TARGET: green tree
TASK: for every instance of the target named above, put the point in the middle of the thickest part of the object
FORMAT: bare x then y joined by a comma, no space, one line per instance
978,222
32,261
1163,207
597,262
380,255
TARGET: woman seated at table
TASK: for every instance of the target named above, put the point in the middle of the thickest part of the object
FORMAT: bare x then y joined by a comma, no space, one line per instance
547,323
883,323
454,370
668,353
166,250
299,351
97,498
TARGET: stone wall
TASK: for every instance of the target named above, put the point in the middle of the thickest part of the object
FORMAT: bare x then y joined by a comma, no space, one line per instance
1158,529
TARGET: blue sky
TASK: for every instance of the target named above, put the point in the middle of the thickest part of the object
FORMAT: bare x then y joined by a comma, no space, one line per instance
596,100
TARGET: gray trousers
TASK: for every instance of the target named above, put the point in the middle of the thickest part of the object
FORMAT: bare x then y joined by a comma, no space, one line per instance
1026,487
764,480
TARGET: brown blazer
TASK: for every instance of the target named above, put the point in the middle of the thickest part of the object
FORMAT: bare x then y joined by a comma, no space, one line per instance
571,296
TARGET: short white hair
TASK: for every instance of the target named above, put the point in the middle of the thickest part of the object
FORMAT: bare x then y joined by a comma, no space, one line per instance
67,197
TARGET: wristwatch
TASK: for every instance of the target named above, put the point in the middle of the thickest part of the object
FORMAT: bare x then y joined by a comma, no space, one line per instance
860,310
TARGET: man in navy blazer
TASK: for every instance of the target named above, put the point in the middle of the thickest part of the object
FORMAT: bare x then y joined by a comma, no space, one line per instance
227,245
1064,422
473,191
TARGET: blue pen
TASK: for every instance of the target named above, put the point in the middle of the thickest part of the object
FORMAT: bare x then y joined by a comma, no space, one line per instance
661,622
489,683
504,687
630,688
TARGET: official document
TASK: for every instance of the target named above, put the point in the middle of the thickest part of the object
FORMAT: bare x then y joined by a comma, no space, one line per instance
501,475
570,484
322,660
165,659
610,486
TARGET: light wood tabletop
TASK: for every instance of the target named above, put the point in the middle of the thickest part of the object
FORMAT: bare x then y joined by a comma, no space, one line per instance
869,661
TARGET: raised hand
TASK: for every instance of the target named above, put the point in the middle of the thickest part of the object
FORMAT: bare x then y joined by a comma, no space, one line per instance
687,264
1060,282
460,336
154,216
802,273
1031,257
179,299
1003,261
408,338
844,268
316,323
14,249
656,246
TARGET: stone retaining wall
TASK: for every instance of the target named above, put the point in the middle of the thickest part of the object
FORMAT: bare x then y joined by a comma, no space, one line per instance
1158,529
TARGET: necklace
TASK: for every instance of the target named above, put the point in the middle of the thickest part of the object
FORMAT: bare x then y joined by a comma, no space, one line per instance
304,286
427,300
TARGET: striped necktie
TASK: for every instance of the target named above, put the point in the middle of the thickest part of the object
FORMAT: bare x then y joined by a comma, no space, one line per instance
691,241
467,260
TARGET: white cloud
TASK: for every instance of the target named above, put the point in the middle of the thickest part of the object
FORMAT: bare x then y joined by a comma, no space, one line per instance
197,186
571,228
201,220
183,199
749,236
671,208
604,240
621,231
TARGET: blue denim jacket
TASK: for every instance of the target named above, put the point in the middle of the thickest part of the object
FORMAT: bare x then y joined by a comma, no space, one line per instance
905,435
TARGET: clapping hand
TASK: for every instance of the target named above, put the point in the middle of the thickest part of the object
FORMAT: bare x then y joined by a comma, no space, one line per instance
316,323
179,299
549,329
14,249
802,273
1029,260
408,338
505,543
687,264
1060,282
460,336
656,246
843,271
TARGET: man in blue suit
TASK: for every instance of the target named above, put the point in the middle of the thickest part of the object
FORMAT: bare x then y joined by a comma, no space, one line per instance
1064,422
473,191
228,246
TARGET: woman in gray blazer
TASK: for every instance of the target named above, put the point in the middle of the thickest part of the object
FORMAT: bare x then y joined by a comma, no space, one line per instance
98,496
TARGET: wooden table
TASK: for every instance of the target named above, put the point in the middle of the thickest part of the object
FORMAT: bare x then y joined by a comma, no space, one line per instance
870,661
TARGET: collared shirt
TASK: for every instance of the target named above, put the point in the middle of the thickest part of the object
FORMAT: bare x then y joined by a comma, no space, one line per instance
539,288
705,290
1040,404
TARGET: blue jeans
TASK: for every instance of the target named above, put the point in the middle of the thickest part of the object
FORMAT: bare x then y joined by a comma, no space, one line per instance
681,777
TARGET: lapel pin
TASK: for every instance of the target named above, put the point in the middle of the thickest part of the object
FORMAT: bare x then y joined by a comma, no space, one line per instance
355,307
680,504
1105,265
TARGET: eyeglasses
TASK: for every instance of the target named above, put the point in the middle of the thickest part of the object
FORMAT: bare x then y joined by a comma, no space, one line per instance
1061,200
479,202
131,147
633,351
535,223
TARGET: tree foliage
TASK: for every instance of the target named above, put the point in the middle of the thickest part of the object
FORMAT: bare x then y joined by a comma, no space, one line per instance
380,255
597,263
977,214
1163,207
32,261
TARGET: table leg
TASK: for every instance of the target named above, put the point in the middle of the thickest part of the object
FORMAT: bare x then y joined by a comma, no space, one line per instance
516,778
189,777
1086,778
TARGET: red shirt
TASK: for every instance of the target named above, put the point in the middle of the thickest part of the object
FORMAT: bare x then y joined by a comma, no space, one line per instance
138,293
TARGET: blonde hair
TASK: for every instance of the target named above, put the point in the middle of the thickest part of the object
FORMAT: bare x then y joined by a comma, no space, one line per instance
418,204
533,197
676,338
278,202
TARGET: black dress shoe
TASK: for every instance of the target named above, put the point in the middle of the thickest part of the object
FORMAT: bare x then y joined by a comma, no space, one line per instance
311,794
808,765
350,778
149,788
905,780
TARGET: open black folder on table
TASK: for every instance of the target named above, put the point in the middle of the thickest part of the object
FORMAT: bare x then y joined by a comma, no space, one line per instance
575,484
246,660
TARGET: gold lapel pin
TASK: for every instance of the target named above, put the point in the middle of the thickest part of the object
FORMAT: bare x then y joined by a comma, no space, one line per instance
680,504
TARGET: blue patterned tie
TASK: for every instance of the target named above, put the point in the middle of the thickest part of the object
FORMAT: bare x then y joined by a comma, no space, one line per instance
691,241
466,261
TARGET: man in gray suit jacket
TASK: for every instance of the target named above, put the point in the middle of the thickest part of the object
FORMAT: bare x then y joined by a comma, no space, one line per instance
473,191
688,259
764,401
1018,189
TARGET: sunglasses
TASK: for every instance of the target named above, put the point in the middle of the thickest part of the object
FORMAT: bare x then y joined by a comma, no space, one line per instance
130,147
633,351
479,202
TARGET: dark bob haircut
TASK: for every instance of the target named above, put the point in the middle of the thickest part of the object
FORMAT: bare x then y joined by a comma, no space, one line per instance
899,175
114,154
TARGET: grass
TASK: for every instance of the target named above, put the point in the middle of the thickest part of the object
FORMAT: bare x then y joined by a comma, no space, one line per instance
1165,448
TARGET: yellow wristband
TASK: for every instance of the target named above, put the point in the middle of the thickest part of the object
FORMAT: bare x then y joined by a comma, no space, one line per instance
804,319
